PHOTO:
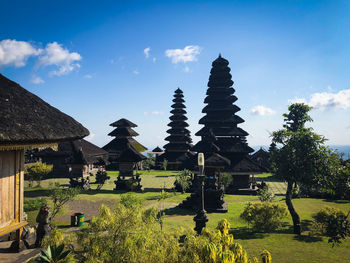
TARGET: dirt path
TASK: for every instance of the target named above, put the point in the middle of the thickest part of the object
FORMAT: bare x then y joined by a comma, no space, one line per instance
88,208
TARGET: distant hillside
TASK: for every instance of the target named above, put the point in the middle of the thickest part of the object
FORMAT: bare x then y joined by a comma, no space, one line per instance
340,148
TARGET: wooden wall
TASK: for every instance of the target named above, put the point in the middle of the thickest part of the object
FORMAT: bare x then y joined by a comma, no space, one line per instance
11,186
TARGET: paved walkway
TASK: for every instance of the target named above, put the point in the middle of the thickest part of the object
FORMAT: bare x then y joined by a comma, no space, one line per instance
21,257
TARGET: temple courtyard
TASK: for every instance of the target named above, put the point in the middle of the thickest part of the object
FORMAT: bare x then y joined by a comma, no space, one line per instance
283,244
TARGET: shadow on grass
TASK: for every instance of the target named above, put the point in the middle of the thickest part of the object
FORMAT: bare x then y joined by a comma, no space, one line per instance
178,211
103,191
164,176
157,189
37,193
246,233
336,201
306,224
307,238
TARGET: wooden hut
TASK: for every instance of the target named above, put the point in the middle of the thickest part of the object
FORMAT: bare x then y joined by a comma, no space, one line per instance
26,122
76,158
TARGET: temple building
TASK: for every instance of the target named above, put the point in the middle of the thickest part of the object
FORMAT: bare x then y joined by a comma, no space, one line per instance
221,122
26,122
262,158
76,158
123,134
177,151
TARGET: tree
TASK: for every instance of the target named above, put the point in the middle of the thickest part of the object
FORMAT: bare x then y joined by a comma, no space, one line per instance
60,196
302,155
36,172
333,223
149,163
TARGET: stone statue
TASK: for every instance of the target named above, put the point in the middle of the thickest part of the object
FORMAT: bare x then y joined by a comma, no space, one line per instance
43,229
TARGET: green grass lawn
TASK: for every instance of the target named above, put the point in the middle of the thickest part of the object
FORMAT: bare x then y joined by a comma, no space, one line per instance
283,245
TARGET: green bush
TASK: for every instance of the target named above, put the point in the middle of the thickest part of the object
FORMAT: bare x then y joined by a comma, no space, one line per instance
265,194
333,223
226,179
102,177
131,234
264,216
33,204
60,196
183,181
36,171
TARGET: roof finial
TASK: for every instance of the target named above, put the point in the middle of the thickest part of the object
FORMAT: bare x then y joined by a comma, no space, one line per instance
219,55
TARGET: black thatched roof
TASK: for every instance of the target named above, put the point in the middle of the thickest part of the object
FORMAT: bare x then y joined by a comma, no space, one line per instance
77,152
27,119
262,158
130,155
123,132
246,165
157,150
119,144
216,160
123,123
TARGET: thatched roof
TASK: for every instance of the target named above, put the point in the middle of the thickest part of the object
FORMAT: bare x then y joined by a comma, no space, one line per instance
123,132
157,150
130,155
216,160
246,165
77,152
25,119
123,123
118,145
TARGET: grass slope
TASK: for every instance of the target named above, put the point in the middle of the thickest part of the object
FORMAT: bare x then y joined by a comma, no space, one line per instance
284,246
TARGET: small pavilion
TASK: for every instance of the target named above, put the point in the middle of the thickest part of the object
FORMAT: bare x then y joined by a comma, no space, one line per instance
123,134
76,158
26,122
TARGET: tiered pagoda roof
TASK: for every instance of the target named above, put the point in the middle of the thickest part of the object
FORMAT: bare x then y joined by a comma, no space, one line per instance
221,121
179,138
123,132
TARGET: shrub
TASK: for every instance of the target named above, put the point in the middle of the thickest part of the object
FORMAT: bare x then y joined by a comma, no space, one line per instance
226,179
333,223
183,181
33,204
149,163
60,196
36,172
132,235
265,194
264,216
215,247
102,177
165,164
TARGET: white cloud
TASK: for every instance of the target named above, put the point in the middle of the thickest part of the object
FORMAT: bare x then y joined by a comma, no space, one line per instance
90,137
261,110
186,69
327,100
154,60
88,76
188,54
136,72
55,54
157,112
16,53
146,51
36,80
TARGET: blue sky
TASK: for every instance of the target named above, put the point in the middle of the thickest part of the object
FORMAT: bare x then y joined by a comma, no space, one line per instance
100,61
